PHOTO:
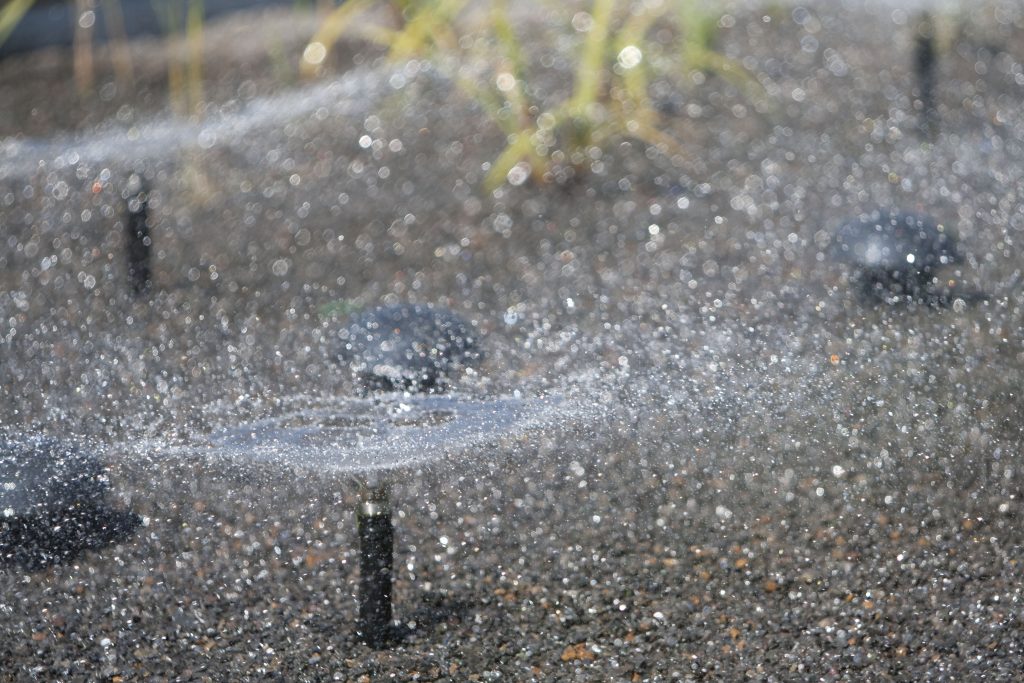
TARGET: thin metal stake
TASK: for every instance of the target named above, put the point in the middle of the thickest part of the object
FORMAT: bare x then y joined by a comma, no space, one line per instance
376,551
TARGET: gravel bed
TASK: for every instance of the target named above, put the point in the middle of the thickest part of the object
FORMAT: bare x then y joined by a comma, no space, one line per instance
777,480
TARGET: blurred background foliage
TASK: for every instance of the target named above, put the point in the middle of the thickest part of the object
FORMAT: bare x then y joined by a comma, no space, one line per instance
555,120
616,48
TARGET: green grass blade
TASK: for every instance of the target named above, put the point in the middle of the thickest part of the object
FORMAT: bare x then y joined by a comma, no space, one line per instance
506,37
491,103
332,28
519,149
640,128
429,22
10,15
590,70
633,33
194,38
698,31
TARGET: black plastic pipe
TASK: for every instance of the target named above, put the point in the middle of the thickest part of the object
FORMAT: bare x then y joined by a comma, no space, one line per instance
925,63
394,336
138,240
376,551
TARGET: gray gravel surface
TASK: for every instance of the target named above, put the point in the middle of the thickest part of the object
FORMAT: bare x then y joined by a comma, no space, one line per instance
777,480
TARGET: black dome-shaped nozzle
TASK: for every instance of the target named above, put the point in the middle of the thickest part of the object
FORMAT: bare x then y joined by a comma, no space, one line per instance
51,502
408,347
39,474
894,251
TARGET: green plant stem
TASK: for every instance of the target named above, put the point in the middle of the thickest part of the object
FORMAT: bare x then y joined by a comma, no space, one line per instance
122,56
82,51
330,30
11,14
589,72
194,39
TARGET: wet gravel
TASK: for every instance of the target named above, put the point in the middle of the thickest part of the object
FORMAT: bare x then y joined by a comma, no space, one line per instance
787,481
617,566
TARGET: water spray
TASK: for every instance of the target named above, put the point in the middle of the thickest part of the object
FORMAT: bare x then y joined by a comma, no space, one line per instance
401,359
396,348
369,440
52,502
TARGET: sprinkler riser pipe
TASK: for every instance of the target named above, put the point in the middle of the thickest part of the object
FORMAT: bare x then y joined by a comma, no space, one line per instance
925,63
139,243
376,553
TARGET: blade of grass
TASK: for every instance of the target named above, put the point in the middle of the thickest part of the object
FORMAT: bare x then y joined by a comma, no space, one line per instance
331,29
194,38
123,68
11,15
635,79
428,23
376,34
509,108
519,149
491,103
697,32
82,50
590,71
340,308
732,71
647,132
510,45
506,37
169,23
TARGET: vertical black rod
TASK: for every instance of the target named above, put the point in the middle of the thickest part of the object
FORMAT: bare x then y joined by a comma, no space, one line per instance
376,550
925,58
139,243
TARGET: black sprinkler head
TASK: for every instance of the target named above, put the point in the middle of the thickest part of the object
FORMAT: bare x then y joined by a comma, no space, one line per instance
895,253
51,502
408,347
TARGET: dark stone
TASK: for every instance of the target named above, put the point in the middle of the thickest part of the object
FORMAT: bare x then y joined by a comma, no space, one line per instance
408,347
51,503
40,474
895,252
57,537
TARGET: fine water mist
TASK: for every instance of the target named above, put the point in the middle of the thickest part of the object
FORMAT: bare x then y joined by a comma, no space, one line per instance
689,435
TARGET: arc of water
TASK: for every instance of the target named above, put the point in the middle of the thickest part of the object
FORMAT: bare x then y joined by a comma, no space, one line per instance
354,93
